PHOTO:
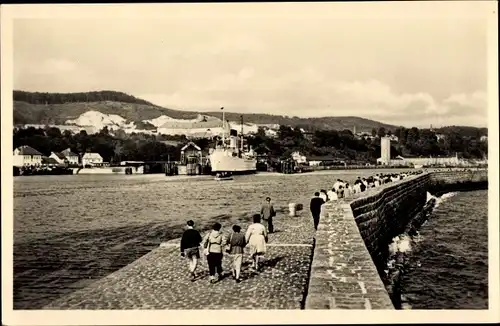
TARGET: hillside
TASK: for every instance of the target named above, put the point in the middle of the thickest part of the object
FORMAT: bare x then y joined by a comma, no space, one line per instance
58,108
465,131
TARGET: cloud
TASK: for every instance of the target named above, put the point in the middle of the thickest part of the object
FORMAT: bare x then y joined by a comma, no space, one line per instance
311,93
477,99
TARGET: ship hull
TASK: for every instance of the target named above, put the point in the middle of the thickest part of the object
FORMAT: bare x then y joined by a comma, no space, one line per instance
220,162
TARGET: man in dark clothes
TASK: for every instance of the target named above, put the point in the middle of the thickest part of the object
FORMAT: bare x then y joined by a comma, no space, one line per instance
267,213
315,207
190,247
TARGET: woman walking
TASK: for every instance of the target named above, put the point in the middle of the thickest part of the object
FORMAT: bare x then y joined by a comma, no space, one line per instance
213,243
256,237
236,244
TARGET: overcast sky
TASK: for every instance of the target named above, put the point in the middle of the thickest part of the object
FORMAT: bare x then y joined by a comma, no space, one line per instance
411,64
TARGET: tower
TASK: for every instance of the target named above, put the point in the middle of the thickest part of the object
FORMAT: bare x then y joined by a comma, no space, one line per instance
385,150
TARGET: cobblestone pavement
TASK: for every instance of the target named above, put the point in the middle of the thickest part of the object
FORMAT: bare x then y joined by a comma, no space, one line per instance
160,280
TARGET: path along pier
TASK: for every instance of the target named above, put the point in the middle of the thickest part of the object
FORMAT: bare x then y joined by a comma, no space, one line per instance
160,280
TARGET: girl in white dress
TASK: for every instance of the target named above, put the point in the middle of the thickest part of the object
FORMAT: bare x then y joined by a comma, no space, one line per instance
256,237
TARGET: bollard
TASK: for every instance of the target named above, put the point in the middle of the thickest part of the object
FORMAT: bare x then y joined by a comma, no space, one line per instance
291,208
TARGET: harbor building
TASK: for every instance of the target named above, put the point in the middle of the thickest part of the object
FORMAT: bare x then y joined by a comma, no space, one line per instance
191,160
385,157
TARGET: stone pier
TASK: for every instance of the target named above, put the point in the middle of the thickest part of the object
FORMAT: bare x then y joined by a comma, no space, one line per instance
353,238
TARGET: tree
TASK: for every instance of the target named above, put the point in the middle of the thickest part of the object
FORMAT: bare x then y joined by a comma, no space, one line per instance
413,136
374,132
381,132
261,132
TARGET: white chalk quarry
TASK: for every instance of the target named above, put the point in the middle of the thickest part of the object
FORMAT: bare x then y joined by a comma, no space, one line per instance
201,126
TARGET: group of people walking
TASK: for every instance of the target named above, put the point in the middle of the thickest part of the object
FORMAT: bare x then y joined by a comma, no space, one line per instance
342,189
215,243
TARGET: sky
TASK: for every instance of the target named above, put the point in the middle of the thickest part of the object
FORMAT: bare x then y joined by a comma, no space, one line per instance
410,64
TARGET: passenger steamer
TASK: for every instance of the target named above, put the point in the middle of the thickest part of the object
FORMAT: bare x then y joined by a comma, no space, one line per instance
230,155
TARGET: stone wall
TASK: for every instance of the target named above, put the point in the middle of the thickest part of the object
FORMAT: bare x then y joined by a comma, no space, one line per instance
447,181
353,236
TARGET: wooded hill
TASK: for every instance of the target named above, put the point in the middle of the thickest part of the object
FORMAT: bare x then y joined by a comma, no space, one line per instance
56,108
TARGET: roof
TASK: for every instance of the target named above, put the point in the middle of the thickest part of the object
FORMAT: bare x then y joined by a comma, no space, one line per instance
28,150
60,155
191,144
49,160
68,152
170,142
92,155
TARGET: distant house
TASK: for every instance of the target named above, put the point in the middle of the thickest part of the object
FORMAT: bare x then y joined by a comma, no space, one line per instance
73,158
191,153
27,156
440,136
271,133
364,135
58,157
322,160
65,157
92,159
297,157
308,135
49,161
393,138
483,138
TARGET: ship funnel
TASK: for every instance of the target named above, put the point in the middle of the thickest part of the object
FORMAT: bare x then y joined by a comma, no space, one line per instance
233,142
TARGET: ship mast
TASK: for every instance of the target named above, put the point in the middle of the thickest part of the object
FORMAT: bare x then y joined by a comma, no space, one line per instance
223,128
241,135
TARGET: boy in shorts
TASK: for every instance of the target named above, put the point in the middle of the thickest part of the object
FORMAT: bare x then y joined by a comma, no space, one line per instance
190,247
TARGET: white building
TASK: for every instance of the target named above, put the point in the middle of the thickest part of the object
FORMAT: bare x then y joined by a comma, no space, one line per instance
440,136
483,138
271,133
301,159
92,159
364,135
385,151
72,158
65,157
426,161
59,157
393,138
27,156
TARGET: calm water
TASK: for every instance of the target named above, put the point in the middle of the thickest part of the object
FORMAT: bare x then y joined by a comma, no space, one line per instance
71,230
450,262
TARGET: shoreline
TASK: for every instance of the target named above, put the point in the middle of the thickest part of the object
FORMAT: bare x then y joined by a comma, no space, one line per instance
314,171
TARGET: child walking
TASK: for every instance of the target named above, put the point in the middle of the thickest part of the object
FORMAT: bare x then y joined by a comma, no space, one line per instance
236,244
214,242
